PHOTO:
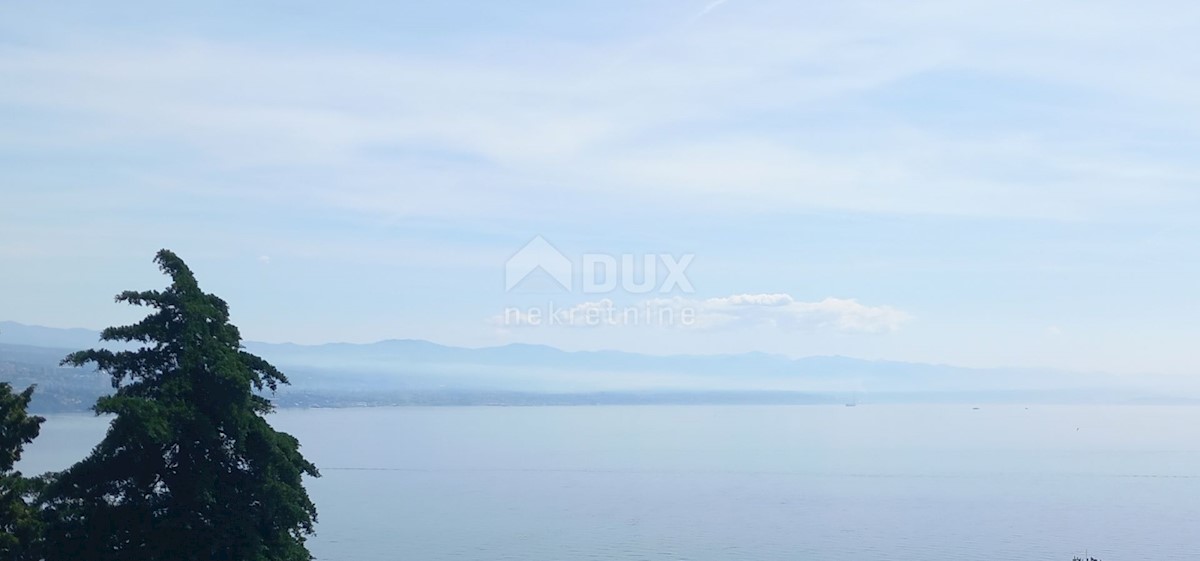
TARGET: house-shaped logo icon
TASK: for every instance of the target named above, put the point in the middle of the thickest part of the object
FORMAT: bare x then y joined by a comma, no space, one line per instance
538,254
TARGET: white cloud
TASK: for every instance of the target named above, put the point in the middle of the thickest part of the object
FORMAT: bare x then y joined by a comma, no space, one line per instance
783,311
435,154
753,300
685,120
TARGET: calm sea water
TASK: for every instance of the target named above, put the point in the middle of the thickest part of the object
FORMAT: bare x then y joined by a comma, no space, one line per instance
919,483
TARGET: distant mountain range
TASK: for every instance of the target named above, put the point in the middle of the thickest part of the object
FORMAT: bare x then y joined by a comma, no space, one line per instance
400,372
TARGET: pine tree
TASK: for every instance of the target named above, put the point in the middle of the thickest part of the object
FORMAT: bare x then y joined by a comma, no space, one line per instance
20,527
190,469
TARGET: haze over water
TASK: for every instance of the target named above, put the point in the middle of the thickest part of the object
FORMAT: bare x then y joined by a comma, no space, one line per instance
483,206
731,483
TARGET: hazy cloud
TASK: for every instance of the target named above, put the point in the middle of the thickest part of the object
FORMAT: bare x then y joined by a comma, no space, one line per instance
412,134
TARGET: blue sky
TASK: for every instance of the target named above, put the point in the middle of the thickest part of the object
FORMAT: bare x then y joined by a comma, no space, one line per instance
975,183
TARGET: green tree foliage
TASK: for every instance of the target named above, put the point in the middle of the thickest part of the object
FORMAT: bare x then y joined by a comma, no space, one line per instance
20,527
189,469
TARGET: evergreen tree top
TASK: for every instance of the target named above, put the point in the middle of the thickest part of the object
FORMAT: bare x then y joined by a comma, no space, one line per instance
190,469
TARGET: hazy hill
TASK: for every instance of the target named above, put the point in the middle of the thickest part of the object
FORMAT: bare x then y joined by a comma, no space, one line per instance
414,371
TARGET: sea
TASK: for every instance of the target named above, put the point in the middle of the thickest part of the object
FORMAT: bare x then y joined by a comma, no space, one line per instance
738,483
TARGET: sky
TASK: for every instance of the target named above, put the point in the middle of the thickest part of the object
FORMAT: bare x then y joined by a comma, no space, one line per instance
978,183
